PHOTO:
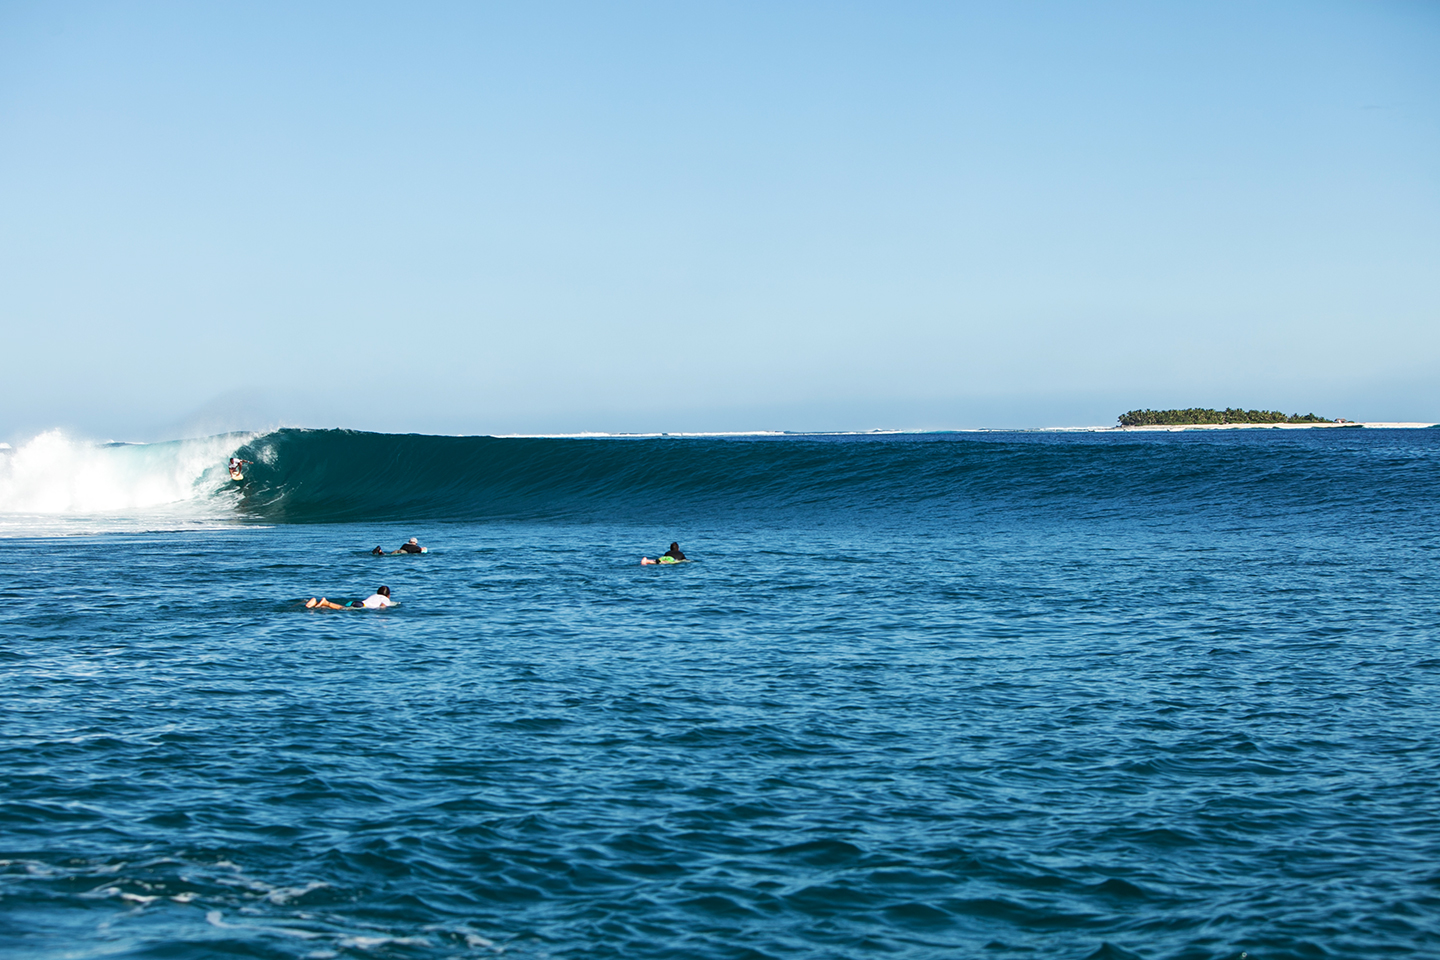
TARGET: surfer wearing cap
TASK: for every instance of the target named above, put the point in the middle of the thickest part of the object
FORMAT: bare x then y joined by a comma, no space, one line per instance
673,555
378,600
410,546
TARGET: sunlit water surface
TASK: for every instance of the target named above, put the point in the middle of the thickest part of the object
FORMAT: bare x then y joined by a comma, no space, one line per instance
1168,735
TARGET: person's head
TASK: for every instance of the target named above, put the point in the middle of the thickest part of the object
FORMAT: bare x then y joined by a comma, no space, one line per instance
378,550
674,546
383,591
414,541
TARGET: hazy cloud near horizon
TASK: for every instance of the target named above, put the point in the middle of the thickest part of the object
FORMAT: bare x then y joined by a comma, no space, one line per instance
481,219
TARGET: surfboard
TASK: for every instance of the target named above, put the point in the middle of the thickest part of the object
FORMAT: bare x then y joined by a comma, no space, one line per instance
236,475
647,562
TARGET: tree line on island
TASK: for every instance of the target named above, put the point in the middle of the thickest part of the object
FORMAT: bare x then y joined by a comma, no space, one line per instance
1193,415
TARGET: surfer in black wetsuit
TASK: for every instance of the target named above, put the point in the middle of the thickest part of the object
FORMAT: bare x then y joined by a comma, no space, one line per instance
411,546
673,555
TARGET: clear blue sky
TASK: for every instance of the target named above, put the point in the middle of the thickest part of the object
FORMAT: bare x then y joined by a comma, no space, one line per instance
465,218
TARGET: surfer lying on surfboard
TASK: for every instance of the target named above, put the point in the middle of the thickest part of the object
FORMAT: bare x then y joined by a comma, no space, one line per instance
673,555
410,546
378,600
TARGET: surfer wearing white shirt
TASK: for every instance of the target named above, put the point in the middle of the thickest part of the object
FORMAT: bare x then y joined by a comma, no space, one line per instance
378,600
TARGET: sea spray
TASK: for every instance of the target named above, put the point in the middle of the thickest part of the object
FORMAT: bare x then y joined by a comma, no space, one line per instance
58,476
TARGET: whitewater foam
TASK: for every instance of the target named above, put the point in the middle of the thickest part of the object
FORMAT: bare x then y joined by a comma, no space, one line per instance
56,484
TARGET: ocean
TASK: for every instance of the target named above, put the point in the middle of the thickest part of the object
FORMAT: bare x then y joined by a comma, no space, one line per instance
999,695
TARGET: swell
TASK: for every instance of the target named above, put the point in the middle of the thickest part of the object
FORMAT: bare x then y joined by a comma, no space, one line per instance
310,476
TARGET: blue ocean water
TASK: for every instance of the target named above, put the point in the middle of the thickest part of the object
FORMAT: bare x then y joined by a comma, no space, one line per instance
971,695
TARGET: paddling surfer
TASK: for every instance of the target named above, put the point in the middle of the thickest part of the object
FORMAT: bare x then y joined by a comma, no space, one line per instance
410,546
673,555
378,600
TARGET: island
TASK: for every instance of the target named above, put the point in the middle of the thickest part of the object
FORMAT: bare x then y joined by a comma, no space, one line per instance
1194,416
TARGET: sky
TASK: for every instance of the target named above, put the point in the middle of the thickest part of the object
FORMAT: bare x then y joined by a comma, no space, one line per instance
563,217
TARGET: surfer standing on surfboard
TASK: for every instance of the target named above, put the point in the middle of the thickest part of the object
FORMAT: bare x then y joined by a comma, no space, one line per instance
235,464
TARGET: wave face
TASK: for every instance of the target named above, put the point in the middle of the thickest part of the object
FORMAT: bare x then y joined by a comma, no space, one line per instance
308,476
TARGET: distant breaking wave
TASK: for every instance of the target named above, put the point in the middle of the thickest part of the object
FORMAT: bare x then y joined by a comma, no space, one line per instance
321,476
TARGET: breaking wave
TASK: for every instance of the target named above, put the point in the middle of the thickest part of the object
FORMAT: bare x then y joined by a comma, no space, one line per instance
56,482
320,476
